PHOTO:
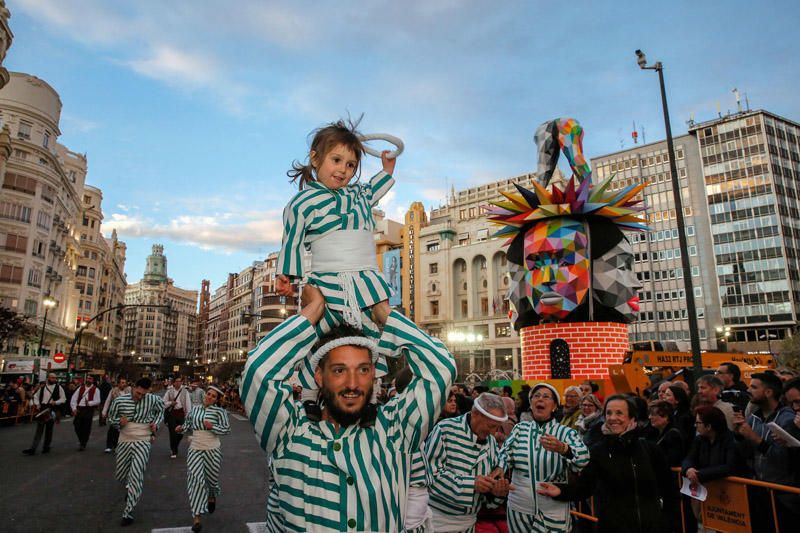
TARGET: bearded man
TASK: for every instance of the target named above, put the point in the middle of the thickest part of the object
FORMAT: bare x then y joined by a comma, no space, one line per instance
345,466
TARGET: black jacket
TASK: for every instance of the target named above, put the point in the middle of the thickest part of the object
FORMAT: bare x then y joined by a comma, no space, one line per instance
633,488
714,460
671,443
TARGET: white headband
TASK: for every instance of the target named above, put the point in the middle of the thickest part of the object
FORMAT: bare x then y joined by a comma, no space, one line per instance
476,404
363,342
212,387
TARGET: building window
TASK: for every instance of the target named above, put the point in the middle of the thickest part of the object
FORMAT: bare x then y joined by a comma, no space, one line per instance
434,307
31,307
43,220
462,214
483,263
483,234
433,268
463,266
15,243
484,306
35,277
24,131
46,139
502,330
472,212
11,274
432,246
464,308
19,183
463,238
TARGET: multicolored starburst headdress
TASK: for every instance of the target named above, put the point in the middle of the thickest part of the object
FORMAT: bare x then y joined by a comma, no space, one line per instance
520,211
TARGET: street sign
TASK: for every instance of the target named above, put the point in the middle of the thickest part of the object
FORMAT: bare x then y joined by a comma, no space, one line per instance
59,357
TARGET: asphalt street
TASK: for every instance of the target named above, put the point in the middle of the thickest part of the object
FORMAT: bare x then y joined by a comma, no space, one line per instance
72,491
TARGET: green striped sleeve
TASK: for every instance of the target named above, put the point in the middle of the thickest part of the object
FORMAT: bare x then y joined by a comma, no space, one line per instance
378,186
505,458
266,395
290,258
434,370
454,484
221,424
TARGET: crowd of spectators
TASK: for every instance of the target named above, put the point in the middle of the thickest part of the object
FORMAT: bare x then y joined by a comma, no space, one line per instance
715,428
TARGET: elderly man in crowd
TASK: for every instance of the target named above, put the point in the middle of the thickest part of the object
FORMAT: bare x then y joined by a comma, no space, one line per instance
463,456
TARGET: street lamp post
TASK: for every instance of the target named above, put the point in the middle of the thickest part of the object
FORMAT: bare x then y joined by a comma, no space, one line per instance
47,303
694,334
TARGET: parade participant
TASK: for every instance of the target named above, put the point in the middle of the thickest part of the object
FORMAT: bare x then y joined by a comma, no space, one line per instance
85,399
207,422
334,218
177,404
343,467
137,415
463,457
196,393
536,451
628,477
104,388
46,400
112,436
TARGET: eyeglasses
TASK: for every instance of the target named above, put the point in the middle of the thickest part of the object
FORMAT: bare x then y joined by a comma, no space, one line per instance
538,396
722,372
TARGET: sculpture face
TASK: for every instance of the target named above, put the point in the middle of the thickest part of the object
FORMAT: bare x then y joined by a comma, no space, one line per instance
556,267
614,282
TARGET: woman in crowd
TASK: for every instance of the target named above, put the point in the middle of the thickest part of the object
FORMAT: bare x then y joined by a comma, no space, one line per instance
681,415
450,408
524,405
207,422
664,433
590,422
540,450
714,453
628,477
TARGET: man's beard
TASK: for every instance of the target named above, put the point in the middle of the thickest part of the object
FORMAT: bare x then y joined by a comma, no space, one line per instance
343,418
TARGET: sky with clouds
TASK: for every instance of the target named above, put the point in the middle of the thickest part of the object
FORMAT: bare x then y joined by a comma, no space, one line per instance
191,112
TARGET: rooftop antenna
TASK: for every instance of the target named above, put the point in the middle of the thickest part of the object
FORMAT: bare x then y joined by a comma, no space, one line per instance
719,112
746,102
635,134
690,122
738,100
644,141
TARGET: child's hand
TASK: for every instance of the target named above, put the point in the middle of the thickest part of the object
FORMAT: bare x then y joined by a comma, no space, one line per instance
388,164
283,285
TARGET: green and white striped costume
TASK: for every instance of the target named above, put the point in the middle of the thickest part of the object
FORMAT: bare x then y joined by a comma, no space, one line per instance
354,478
205,454
420,480
529,463
456,458
133,450
318,211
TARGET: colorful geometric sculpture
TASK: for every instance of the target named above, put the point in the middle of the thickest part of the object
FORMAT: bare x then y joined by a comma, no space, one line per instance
566,243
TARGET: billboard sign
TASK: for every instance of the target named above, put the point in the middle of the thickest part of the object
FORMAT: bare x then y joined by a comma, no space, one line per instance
392,274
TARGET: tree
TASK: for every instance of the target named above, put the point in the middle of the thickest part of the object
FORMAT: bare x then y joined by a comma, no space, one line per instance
226,372
15,325
790,352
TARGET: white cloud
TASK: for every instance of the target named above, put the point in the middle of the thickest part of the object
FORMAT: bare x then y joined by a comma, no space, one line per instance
226,232
169,64
73,123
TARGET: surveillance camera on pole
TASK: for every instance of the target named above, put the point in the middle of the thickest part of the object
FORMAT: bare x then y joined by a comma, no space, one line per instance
641,59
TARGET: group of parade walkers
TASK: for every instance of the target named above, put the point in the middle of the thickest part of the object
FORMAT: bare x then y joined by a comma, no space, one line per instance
339,461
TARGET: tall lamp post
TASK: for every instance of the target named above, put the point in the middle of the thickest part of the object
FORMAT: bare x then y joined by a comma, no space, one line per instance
694,334
47,303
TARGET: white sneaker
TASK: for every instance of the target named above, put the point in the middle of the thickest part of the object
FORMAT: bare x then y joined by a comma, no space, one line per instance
107,450
173,456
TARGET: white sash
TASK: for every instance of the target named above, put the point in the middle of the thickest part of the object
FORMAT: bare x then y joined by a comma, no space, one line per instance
446,523
417,510
134,432
346,250
203,440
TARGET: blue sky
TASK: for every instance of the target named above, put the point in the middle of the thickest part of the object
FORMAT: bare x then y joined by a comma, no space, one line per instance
191,112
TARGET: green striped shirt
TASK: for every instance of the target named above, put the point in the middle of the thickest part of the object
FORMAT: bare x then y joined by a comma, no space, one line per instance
317,211
523,452
148,410
353,478
456,458
220,424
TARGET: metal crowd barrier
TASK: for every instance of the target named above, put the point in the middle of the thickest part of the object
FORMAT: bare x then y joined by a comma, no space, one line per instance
734,500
